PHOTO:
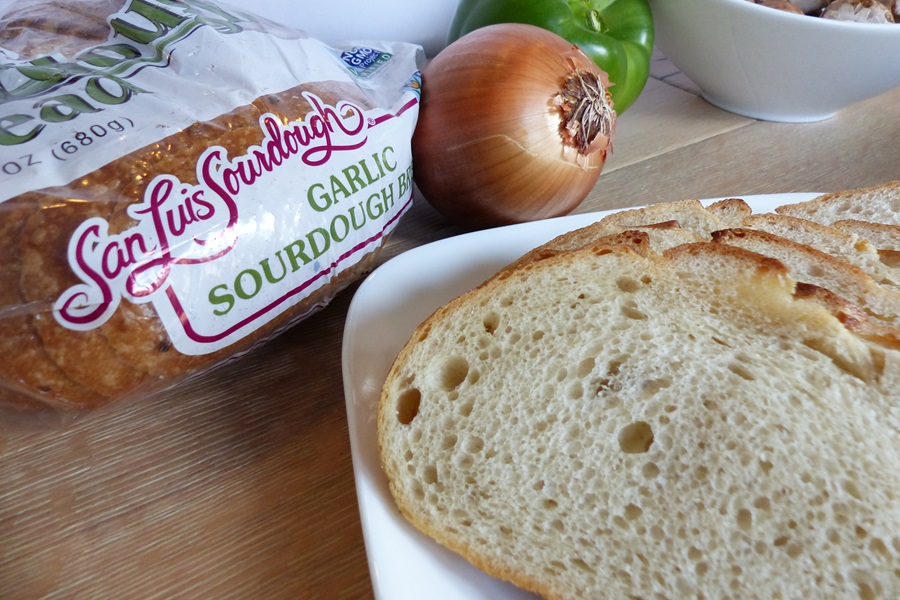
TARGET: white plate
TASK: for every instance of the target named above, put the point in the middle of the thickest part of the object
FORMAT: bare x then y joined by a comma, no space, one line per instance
385,311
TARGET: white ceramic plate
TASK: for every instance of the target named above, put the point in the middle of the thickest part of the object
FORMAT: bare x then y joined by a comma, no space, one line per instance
386,309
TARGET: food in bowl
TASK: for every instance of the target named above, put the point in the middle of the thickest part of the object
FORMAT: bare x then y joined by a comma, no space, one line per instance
774,65
859,11
785,5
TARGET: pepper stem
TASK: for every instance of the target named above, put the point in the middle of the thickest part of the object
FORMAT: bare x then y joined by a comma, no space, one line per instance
588,117
595,21
588,14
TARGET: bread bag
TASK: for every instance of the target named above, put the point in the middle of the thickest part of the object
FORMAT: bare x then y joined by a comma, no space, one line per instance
179,181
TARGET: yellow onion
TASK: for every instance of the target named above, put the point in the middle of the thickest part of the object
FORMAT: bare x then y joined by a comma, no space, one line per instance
515,125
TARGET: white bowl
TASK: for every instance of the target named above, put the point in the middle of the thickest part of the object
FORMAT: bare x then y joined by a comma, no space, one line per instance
773,65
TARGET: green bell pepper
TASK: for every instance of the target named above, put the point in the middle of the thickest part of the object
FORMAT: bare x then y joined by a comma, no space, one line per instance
615,34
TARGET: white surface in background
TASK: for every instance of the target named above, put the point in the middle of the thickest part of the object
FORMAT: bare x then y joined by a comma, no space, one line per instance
423,23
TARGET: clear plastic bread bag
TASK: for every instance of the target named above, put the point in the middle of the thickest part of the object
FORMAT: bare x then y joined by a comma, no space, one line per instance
180,180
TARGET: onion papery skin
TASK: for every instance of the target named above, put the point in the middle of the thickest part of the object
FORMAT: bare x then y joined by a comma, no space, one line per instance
487,149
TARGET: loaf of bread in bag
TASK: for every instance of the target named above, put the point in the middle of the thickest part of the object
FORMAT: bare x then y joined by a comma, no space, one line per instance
45,364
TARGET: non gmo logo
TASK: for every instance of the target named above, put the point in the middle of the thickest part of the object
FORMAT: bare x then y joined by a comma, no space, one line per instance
364,62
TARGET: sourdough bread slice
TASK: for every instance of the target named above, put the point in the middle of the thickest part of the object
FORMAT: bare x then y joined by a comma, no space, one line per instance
670,223
883,236
865,279
817,254
605,423
809,265
877,204
665,235
850,245
871,213
689,214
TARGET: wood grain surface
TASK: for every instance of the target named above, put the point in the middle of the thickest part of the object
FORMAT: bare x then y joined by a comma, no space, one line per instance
240,485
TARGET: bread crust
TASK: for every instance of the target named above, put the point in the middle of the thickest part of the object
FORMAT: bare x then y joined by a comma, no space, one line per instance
65,27
26,367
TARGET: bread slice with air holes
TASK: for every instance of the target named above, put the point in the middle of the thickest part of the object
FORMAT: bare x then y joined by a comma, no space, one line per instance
876,204
659,236
671,224
886,238
815,254
882,236
689,214
818,254
853,247
809,265
844,212
606,423
872,213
